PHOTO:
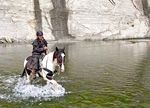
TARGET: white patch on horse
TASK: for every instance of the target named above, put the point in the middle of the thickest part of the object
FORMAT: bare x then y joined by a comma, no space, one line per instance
62,66
25,62
62,55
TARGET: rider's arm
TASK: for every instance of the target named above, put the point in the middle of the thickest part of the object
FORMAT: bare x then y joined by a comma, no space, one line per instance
45,42
36,48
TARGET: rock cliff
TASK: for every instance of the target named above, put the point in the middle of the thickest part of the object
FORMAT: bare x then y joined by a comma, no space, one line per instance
81,19
107,19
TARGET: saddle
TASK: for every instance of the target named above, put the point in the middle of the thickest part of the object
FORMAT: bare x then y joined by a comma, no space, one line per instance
31,62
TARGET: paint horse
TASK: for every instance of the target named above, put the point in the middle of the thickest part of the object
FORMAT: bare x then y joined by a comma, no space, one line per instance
50,63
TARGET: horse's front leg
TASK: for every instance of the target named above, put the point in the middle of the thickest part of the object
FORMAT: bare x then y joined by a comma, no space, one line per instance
43,74
46,75
57,70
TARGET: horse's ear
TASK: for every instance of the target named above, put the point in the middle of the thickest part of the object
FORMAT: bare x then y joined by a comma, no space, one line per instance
56,49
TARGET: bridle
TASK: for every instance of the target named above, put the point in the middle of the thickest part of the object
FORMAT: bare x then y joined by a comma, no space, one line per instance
59,56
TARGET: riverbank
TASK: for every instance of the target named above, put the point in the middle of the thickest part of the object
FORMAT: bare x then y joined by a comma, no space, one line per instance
21,41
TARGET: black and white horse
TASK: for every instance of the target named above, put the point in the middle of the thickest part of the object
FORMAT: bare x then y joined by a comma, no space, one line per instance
50,63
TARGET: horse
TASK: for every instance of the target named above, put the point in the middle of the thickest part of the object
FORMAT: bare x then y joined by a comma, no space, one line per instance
50,64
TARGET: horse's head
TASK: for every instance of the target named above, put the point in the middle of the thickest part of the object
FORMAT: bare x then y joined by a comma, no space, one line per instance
59,56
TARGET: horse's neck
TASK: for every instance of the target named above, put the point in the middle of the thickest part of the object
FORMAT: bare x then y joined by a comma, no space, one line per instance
48,62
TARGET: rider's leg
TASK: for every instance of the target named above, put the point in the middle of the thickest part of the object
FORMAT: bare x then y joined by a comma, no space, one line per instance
40,61
35,67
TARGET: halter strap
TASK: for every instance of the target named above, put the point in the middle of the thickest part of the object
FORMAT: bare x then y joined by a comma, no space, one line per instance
49,71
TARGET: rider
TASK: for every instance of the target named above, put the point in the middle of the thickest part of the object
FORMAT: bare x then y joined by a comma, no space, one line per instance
39,50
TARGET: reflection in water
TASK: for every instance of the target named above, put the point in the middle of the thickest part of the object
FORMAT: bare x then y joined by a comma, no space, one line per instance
143,77
98,67
98,73
105,62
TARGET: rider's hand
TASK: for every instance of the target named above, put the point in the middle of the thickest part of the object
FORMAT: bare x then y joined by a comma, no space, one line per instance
45,48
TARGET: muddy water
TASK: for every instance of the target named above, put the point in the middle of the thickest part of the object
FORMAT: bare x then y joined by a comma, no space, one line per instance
97,75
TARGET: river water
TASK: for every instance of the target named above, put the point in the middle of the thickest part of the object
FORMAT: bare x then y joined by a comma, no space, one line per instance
97,75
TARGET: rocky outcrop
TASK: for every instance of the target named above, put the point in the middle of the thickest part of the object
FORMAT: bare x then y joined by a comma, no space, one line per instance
107,19
19,19
82,19
15,19
146,7
6,40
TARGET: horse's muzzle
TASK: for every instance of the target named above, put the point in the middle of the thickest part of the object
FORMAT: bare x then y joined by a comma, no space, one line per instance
62,68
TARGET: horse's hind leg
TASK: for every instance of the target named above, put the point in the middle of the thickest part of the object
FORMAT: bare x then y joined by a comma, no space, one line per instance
42,73
23,73
28,79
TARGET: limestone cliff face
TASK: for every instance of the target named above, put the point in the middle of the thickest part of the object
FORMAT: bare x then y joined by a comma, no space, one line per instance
107,19
82,19
19,19
16,19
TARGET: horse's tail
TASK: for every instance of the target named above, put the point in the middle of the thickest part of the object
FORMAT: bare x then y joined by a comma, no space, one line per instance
23,73
24,70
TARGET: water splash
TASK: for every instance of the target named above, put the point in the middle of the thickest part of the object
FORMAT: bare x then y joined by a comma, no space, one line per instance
20,89
24,90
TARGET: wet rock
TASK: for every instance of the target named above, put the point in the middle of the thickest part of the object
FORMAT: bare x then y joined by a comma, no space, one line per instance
2,41
6,40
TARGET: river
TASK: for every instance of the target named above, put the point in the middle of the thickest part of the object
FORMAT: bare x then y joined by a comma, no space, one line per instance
113,74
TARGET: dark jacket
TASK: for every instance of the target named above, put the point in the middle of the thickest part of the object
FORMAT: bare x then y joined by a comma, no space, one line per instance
38,47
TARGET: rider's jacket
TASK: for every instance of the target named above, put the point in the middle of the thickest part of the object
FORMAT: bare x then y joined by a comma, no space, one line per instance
38,47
